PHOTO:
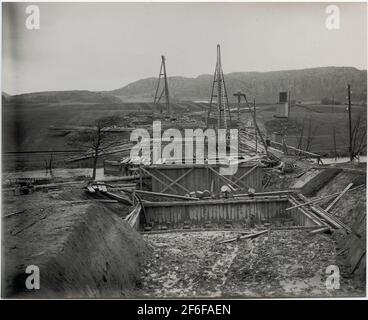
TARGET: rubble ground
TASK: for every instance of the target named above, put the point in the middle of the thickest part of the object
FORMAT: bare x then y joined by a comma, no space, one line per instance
278,264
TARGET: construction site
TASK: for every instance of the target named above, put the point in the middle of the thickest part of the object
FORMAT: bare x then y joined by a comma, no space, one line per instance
101,223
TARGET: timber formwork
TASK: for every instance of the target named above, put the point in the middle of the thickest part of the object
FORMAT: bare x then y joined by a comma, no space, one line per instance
185,178
235,211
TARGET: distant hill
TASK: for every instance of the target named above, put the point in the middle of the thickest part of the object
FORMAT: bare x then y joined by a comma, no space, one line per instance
312,84
63,97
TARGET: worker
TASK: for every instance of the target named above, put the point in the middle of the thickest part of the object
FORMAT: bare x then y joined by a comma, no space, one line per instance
225,191
268,141
251,221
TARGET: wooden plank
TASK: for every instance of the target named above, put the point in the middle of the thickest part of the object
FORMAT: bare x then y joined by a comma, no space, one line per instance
320,230
124,178
166,195
325,215
310,202
90,189
209,202
322,198
14,213
133,217
339,197
248,236
56,185
119,198
267,193
306,213
93,201
249,164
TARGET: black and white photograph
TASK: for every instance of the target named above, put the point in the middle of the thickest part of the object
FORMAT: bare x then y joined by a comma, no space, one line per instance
183,150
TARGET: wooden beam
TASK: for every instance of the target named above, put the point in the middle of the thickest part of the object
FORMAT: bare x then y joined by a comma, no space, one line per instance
210,202
336,223
224,178
311,154
171,180
339,197
14,213
320,230
307,213
56,185
248,236
158,179
123,178
267,193
118,198
166,195
178,179
92,201
310,202
244,175
249,164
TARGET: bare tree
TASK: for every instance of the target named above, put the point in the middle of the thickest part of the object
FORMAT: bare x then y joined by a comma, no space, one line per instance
301,137
359,136
311,134
96,139
334,142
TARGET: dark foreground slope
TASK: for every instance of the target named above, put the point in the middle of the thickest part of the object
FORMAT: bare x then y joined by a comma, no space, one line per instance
82,250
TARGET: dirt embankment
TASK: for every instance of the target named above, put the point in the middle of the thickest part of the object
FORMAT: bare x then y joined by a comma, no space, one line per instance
350,209
82,250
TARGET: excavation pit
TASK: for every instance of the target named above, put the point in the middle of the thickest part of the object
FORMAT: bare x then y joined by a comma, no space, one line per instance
235,213
279,263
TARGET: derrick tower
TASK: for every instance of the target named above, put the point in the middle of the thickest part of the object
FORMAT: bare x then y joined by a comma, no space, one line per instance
219,103
162,89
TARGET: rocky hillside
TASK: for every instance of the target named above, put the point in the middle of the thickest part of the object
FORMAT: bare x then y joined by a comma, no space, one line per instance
307,85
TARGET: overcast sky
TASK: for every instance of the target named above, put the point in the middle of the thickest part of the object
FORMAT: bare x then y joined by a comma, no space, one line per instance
104,46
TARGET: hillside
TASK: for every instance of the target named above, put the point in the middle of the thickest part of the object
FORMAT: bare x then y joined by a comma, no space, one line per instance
62,97
306,85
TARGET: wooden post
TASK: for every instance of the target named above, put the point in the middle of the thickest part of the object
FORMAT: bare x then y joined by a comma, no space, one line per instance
140,178
255,123
338,197
350,139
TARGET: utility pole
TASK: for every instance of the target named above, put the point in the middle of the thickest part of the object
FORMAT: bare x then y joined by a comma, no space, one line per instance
257,131
239,95
255,123
350,138
221,95
165,90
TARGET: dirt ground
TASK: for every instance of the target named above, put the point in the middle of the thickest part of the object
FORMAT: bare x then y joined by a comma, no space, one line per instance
81,249
182,264
278,264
